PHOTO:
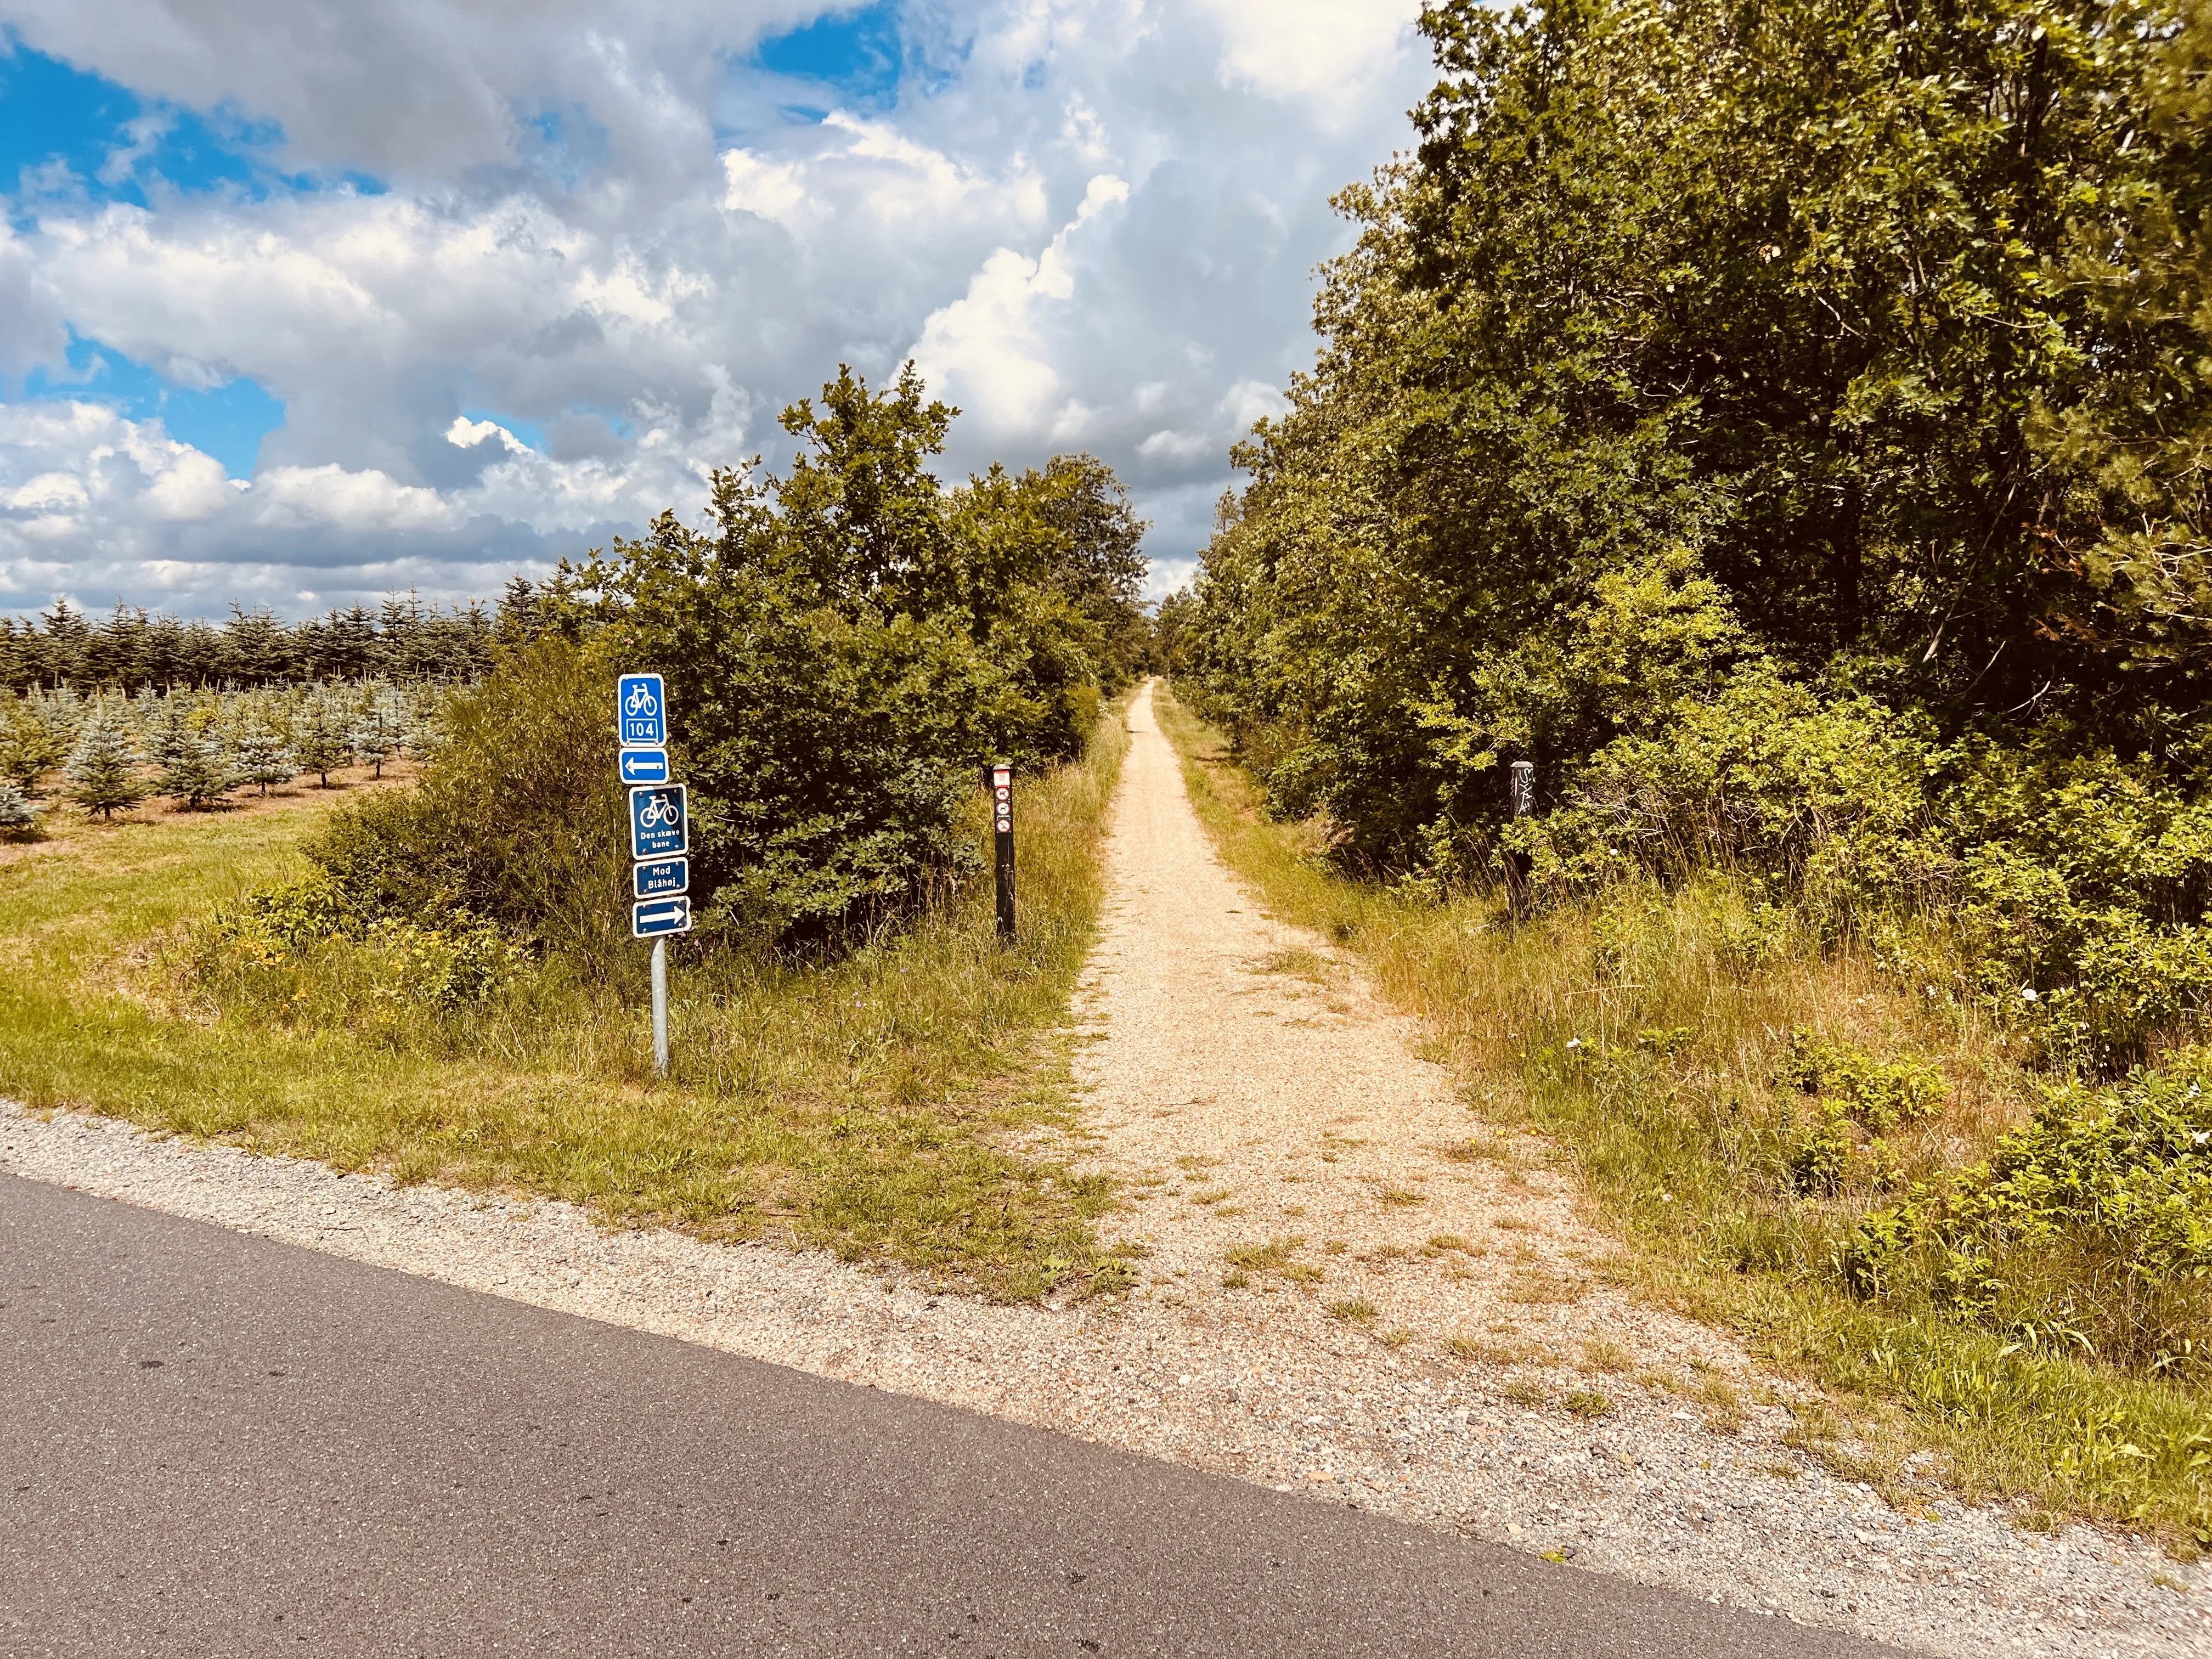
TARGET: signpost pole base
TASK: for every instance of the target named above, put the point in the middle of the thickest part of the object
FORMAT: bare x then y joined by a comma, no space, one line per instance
661,1007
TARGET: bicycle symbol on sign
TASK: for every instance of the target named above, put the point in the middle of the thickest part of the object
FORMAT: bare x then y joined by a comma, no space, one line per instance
640,700
659,812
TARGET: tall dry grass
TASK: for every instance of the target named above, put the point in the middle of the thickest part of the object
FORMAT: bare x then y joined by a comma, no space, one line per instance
1644,1032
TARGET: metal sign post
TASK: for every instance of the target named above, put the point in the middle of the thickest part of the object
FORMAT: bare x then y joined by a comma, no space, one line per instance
1002,846
659,836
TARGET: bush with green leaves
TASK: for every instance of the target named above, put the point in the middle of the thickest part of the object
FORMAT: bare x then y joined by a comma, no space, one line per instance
2090,1228
379,969
845,646
518,820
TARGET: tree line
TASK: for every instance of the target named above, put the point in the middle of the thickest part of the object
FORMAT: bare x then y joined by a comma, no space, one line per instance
1784,425
130,648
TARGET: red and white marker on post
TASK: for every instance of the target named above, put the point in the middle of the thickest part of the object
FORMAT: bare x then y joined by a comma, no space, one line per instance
1002,845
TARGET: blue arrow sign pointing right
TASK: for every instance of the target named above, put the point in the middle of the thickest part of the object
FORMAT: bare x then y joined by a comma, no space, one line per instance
654,917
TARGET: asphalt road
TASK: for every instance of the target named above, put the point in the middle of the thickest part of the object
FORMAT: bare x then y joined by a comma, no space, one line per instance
214,1444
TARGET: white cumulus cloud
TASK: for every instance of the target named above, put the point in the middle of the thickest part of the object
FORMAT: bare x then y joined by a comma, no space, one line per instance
610,248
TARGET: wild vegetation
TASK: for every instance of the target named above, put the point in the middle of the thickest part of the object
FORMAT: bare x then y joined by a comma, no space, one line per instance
438,979
1782,428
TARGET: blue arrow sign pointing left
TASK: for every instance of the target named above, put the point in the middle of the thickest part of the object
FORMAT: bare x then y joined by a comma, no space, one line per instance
645,766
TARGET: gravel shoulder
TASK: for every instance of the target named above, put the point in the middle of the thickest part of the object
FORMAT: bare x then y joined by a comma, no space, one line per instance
1461,1361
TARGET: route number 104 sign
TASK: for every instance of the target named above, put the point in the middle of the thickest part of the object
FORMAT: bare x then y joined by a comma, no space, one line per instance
642,711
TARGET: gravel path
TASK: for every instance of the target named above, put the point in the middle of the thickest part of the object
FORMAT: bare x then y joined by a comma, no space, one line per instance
1244,1080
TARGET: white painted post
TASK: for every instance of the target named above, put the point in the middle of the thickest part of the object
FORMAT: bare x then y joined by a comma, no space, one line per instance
661,1007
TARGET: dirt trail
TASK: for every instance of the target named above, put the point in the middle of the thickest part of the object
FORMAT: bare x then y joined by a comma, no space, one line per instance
1250,1090
1266,1110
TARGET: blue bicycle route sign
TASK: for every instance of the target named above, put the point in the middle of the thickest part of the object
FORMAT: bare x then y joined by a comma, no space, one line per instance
658,826
654,917
662,878
642,711
645,766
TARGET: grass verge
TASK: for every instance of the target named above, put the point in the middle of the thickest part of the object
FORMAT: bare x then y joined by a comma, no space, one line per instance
1644,1033
878,1104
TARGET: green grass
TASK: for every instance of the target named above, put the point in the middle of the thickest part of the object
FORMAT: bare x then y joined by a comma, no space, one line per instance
875,1104
1643,1033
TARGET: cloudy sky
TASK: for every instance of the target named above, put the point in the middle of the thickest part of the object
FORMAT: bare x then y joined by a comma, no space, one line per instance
303,302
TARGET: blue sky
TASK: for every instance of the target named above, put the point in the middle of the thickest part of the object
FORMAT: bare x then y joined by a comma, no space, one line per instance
303,301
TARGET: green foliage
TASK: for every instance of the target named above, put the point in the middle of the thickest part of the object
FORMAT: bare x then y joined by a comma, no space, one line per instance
322,742
132,649
2128,433
196,770
844,647
518,820
1785,429
390,968
31,741
1877,1095
262,757
101,773
2091,1227
17,814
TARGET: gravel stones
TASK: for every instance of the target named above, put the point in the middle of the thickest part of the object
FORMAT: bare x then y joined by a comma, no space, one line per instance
1495,1384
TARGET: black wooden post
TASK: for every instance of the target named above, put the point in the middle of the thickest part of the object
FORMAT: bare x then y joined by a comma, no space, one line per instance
1523,795
1002,845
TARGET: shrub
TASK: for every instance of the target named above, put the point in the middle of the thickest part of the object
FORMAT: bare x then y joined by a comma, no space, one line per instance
1876,1096
376,968
518,821
2090,1227
848,644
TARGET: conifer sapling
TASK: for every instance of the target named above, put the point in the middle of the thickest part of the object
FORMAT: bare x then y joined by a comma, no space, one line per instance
322,742
262,759
197,771
102,772
17,814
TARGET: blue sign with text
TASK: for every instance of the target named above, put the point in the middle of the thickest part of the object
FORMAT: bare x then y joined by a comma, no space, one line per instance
655,916
640,711
658,828
660,878
645,766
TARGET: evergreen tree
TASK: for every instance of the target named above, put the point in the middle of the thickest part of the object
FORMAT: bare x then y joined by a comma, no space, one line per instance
419,722
198,770
322,742
30,745
260,647
262,758
102,772
17,814
169,732
379,731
